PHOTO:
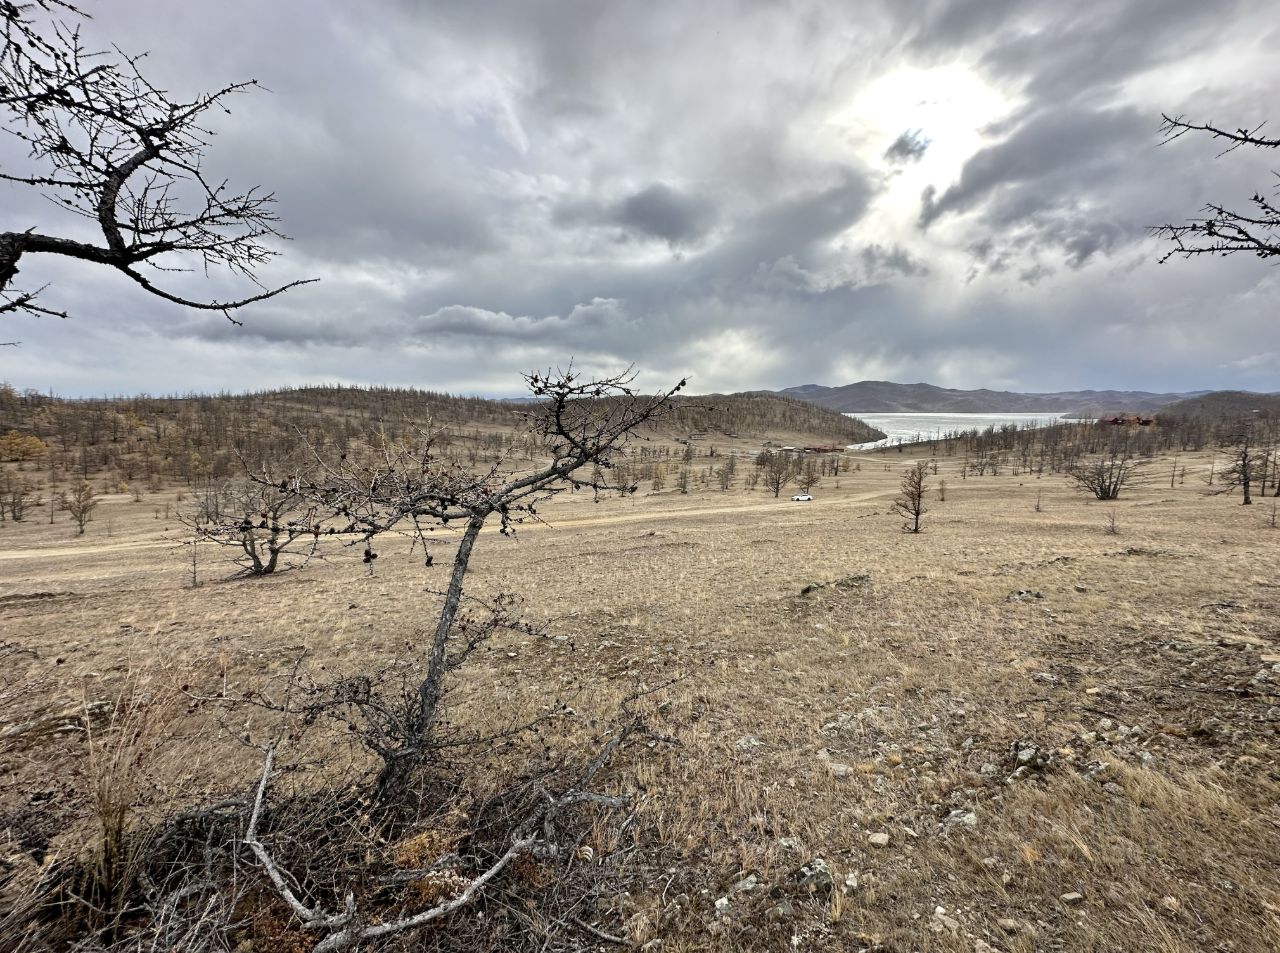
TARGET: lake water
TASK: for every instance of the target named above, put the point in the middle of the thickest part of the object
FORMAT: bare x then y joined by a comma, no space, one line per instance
909,428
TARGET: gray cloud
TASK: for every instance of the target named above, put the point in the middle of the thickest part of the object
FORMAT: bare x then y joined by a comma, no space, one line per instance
661,211
1024,171
657,211
491,186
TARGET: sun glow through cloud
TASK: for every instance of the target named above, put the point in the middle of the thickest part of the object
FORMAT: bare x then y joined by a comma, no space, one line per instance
946,106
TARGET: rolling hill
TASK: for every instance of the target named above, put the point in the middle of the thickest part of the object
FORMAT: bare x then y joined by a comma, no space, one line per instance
1219,404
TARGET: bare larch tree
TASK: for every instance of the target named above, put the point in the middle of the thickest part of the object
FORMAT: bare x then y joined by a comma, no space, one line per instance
1222,230
106,144
1244,461
910,504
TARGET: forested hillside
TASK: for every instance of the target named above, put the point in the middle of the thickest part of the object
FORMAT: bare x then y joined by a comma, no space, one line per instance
1226,404
157,438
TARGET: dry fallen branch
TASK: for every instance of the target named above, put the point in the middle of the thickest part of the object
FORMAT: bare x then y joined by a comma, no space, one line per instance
346,929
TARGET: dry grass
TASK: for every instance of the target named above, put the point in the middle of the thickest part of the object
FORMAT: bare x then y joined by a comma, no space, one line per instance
1134,665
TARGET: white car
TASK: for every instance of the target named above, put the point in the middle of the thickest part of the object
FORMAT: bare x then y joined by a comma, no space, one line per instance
802,498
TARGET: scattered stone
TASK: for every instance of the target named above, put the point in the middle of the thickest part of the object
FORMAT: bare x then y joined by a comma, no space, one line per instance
850,883
722,907
1081,588
781,910
880,839
1022,595
789,843
1028,758
839,771
982,946
813,877
941,919
960,817
1008,925
1072,899
841,720
1114,789
747,883
855,581
747,742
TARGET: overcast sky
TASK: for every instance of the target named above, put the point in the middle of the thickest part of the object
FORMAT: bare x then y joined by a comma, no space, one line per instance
755,194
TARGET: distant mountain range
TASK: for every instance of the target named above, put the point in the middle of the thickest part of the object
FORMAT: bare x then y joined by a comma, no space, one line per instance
886,397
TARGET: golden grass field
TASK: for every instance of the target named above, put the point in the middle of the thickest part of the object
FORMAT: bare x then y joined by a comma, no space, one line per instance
1139,676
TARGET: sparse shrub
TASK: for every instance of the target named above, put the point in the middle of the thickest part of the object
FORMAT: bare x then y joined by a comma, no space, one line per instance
1112,527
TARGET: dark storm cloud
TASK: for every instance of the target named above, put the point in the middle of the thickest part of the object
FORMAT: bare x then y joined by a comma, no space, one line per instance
703,188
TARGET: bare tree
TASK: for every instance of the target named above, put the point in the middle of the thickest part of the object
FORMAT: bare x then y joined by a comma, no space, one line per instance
583,426
106,144
1243,462
725,472
779,470
80,502
807,476
257,521
16,495
1222,230
911,503
1104,476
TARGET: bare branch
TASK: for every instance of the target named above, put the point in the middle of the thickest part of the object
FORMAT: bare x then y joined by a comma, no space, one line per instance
1222,230
105,143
